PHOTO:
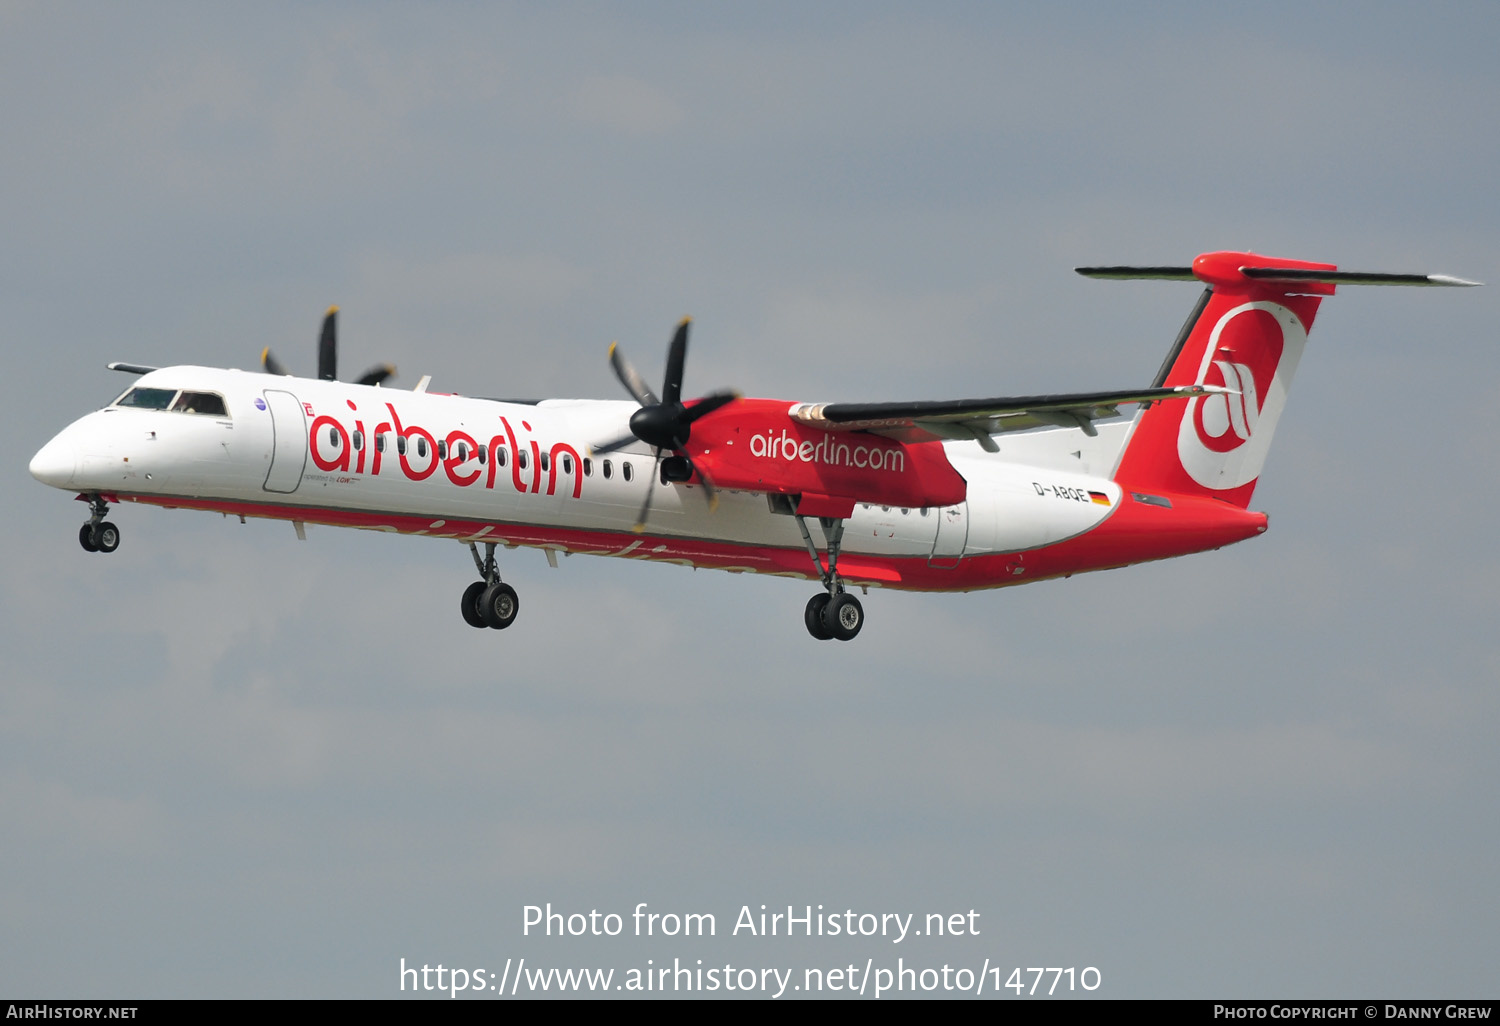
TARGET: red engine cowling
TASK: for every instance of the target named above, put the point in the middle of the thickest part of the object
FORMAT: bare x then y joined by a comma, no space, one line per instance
755,445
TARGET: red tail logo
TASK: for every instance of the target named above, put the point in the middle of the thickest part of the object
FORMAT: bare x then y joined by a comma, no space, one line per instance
1224,422
1244,353
1254,350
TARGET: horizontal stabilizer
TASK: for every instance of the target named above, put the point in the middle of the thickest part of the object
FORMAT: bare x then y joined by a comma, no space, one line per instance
1137,273
1274,275
1296,275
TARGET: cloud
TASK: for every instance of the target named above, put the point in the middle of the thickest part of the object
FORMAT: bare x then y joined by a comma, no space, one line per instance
336,107
82,822
626,105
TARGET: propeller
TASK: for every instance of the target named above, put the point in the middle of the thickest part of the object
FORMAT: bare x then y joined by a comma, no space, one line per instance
328,356
664,423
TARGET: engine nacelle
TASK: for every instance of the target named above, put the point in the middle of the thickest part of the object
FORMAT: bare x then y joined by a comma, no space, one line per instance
755,445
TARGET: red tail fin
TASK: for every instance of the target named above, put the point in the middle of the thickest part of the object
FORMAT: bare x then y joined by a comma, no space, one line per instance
1246,335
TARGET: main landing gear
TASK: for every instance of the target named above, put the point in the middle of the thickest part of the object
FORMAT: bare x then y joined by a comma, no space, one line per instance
98,535
490,602
838,614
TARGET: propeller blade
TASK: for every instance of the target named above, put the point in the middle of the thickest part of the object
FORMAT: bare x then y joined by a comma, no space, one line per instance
640,521
710,492
271,364
633,382
328,346
607,447
375,375
664,423
671,386
708,404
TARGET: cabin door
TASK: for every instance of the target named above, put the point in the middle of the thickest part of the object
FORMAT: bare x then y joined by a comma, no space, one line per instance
289,442
952,534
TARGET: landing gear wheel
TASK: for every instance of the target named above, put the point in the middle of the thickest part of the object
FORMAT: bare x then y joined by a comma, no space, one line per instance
844,617
107,537
86,538
836,614
499,605
470,607
813,617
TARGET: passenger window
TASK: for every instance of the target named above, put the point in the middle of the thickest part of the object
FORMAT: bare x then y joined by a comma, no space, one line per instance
609,470
567,463
521,460
359,441
333,438
148,398
480,453
500,456
421,448
442,449
625,470
588,467
462,452
401,445
380,443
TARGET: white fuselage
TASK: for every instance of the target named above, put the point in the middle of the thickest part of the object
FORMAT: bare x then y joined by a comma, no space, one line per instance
311,446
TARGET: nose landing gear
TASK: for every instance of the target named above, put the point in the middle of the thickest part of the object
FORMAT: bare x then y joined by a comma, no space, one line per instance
489,602
98,535
837,614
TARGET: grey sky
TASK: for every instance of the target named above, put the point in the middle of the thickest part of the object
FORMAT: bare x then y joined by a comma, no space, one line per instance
236,764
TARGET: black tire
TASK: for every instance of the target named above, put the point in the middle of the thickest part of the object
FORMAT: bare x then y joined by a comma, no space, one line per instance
499,605
470,607
844,617
813,616
107,537
86,538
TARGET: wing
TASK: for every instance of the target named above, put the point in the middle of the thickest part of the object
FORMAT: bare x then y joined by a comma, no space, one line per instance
978,419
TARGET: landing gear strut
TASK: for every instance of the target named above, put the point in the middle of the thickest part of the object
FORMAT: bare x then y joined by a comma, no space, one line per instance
837,614
98,535
489,602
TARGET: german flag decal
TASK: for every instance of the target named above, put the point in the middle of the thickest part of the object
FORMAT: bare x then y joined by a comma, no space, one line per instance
1100,498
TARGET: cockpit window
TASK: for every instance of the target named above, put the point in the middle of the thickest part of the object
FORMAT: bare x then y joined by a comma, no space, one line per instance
147,398
201,402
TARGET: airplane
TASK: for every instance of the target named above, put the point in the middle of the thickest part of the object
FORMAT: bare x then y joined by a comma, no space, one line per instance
955,495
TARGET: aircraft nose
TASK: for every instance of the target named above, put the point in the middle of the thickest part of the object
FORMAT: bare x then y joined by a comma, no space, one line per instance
55,463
